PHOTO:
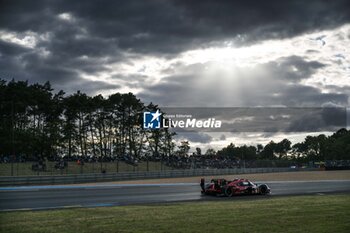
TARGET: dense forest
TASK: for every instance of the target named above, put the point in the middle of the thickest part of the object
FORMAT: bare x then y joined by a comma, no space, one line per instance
313,148
38,123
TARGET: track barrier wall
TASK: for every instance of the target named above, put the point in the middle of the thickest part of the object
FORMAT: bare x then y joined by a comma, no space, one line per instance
123,176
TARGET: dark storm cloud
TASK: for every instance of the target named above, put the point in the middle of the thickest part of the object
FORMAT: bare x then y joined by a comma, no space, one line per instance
30,66
103,31
327,119
10,49
172,26
170,91
293,68
25,15
9,59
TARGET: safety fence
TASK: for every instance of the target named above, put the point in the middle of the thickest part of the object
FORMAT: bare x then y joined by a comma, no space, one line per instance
105,177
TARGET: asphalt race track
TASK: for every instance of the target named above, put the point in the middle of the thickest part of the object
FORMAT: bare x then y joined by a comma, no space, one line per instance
53,197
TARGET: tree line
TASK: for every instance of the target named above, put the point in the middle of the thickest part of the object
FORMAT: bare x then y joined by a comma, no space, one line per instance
38,123
312,148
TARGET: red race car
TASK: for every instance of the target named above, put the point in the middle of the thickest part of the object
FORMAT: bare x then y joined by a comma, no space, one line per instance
233,187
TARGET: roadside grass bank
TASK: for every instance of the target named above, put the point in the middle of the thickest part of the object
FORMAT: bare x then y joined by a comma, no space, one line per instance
328,213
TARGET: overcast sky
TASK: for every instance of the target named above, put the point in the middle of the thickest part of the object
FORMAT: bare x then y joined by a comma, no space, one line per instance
184,53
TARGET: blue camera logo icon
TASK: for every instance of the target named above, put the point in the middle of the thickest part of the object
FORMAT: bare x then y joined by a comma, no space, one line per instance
152,120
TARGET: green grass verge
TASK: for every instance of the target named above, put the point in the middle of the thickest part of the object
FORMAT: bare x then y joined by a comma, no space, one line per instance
330,213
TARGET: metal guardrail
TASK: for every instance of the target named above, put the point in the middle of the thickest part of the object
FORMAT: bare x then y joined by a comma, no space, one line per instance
98,177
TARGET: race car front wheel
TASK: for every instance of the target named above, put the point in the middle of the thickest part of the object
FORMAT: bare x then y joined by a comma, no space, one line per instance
228,192
263,189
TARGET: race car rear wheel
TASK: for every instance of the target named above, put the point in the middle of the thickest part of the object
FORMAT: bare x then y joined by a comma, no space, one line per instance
229,192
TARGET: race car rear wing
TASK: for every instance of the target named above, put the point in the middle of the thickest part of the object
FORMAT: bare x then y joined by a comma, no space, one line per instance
202,184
